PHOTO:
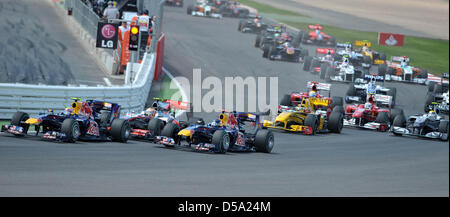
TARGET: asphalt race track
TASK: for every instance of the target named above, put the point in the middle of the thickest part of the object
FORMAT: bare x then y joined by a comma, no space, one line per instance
354,163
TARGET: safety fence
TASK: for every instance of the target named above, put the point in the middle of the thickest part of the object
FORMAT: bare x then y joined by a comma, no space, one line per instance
35,99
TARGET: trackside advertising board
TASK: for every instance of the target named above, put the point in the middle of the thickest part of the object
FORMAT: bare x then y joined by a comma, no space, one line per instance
390,39
107,35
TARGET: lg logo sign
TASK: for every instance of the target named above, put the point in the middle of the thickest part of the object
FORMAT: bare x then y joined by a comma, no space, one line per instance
107,35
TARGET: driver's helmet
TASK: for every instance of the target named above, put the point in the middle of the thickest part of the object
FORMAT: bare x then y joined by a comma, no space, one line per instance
283,27
345,60
200,121
312,93
215,123
432,114
368,106
68,111
404,61
150,112
365,48
348,47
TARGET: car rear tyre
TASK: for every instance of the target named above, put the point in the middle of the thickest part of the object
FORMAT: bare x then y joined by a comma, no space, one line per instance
307,63
337,101
264,141
323,70
395,113
286,100
120,130
382,69
382,118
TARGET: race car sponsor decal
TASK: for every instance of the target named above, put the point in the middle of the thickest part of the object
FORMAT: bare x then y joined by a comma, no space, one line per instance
93,129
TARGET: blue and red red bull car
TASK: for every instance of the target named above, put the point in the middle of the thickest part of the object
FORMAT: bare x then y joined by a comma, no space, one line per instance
233,131
89,120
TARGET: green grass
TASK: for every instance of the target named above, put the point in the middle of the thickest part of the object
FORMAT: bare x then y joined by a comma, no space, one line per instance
3,122
432,54
167,93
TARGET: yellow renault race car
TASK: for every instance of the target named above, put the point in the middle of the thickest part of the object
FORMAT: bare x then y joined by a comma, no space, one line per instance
313,115
376,57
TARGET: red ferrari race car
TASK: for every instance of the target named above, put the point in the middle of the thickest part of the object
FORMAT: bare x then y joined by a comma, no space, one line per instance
370,116
149,123
313,87
316,37
324,56
175,3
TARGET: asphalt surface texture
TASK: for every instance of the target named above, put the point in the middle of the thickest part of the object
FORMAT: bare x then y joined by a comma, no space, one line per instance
40,48
353,163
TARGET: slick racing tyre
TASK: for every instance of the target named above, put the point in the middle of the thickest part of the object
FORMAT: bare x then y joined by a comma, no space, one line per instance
399,121
337,101
395,113
393,93
328,74
264,141
323,70
336,120
431,86
423,74
382,118
307,63
221,140
171,130
443,128
266,51
17,120
155,126
382,69
190,8
286,100
105,118
120,130
428,100
71,128
258,40
366,60
312,121
351,91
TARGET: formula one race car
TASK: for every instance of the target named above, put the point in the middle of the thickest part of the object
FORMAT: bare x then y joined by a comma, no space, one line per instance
316,37
285,52
88,120
429,125
233,131
252,25
324,57
313,88
313,115
149,123
342,71
438,94
273,35
176,3
369,116
357,58
398,69
383,97
233,9
203,9
369,56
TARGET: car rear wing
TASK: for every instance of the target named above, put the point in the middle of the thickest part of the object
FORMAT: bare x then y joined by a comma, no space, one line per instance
315,27
383,99
320,86
363,43
372,77
399,59
325,51
343,45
